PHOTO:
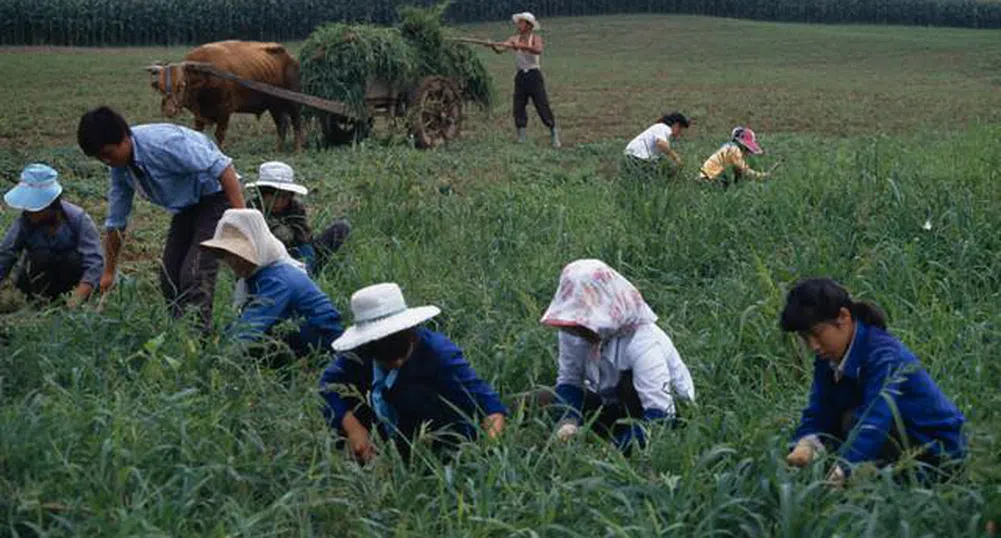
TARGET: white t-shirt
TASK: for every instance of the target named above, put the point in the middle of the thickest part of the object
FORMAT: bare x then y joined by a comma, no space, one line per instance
659,375
645,147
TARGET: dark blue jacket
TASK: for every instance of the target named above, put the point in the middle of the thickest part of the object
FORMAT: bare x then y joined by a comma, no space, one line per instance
283,292
879,371
436,363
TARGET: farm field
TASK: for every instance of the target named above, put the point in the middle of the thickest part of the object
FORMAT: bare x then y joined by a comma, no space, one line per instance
122,423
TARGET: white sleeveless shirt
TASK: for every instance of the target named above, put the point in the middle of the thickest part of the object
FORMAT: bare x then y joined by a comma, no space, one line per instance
526,61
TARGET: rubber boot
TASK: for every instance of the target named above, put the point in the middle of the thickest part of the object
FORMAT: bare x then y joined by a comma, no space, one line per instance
554,137
522,135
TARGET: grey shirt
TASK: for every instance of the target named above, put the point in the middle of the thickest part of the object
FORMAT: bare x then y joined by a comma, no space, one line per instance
75,232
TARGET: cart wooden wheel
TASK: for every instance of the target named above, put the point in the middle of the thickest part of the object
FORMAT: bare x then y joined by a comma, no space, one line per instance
435,114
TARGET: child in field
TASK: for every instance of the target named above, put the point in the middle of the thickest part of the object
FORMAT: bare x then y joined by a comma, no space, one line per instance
528,83
862,378
61,245
273,287
276,189
178,169
730,156
613,358
414,376
650,146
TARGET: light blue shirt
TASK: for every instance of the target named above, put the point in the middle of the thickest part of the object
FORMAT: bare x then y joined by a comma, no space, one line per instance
179,166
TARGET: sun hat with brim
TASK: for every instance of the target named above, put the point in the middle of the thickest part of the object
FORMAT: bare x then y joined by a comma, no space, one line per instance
278,175
380,311
528,17
745,137
229,238
38,187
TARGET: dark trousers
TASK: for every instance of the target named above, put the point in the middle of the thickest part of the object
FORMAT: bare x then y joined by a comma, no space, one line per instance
416,407
629,406
938,467
46,274
529,84
328,242
187,274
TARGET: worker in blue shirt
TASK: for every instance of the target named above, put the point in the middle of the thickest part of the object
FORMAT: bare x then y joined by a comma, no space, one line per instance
413,376
61,245
178,169
871,398
273,287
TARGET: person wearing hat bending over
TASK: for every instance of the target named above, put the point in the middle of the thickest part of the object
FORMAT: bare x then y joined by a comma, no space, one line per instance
654,143
613,358
414,376
528,82
871,399
273,287
175,168
61,244
276,190
730,156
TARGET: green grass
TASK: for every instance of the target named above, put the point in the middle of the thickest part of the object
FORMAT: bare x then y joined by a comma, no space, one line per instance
122,423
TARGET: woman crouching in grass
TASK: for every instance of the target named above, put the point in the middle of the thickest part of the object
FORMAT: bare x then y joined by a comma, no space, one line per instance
61,245
613,358
415,379
272,288
870,399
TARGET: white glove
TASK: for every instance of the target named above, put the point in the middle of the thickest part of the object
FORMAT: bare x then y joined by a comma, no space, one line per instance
567,431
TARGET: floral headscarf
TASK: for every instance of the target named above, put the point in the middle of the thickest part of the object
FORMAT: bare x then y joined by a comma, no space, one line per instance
595,296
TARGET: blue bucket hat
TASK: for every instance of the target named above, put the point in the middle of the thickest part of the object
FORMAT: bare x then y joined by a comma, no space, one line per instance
37,189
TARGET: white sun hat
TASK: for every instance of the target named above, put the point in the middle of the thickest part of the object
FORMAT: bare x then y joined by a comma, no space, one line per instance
278,175
380,311
528,17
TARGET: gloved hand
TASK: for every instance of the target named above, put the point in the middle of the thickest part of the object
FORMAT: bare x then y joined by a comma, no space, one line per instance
566,431
836,478
802,454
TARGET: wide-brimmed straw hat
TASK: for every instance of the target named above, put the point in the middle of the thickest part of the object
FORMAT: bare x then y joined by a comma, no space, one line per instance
39,187
229,238
528,17
380,311
278,175
745,137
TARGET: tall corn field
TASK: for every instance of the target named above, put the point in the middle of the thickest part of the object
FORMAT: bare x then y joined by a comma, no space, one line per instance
166,22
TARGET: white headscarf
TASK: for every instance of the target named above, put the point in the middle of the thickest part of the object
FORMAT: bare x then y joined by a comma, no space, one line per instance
266,248
595,296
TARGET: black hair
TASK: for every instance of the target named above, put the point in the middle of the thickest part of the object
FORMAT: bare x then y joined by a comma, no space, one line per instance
673,118
100,127
819,300
389,348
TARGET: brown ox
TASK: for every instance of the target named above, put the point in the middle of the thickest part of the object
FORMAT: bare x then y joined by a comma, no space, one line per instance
212,99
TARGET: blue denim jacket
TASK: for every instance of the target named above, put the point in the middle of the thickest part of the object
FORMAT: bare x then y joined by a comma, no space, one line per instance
281,292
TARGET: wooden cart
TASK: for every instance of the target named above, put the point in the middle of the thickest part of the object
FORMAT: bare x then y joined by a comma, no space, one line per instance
432,108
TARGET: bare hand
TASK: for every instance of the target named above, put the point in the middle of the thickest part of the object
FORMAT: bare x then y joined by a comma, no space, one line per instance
801,456
107,282
361,447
